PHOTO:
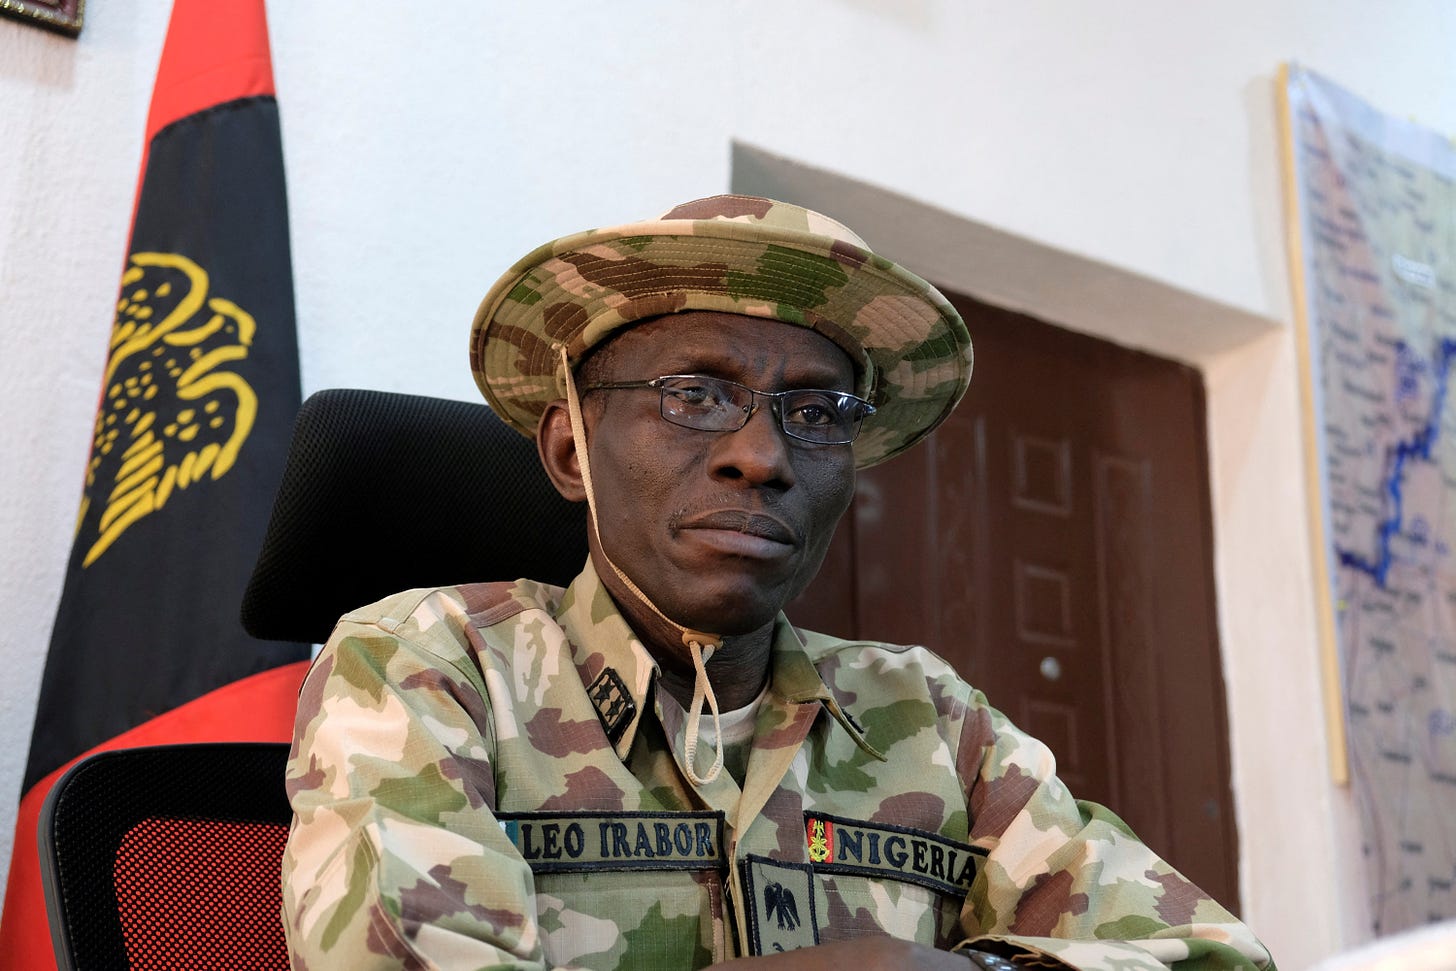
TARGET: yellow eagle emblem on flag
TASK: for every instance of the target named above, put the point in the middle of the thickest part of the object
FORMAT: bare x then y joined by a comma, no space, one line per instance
171,412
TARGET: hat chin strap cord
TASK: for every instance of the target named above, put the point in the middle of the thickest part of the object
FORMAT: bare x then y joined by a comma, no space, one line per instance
700,645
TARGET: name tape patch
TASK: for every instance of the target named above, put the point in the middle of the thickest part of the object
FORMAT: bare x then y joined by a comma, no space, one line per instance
838,845
565,842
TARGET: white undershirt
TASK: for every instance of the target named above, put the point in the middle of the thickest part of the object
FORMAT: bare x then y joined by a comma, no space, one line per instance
737,725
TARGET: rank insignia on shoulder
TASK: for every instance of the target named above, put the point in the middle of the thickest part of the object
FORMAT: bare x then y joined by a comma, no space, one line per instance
614,705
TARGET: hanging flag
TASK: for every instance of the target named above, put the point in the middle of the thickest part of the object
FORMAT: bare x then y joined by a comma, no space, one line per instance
196,406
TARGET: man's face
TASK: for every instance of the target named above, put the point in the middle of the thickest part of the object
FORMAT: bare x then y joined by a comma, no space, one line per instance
719,529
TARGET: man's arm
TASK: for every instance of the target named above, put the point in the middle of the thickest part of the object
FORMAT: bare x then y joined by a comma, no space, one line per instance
1067,880
396,858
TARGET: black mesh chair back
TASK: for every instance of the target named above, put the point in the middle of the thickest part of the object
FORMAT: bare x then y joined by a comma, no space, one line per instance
384,492
167,858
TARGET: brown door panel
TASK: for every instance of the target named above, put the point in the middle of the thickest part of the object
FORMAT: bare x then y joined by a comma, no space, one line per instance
1053,541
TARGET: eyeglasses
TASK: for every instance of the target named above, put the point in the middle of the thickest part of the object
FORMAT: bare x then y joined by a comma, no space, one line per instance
715,405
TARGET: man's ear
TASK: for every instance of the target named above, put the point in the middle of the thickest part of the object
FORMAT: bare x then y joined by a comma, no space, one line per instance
557,448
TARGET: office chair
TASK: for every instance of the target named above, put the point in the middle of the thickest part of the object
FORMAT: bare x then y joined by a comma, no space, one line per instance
167,858
381,492
384,492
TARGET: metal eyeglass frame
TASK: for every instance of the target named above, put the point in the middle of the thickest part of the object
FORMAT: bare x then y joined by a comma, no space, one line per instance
741,411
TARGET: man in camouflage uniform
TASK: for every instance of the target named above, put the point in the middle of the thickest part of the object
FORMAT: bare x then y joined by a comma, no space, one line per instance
652,768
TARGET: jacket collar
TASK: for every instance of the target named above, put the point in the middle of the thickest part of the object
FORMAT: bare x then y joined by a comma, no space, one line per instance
618,671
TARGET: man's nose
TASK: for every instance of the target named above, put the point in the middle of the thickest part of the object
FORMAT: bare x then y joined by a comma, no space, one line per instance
757,453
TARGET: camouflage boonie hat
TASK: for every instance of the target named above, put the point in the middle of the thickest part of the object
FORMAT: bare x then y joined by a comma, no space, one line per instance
741,255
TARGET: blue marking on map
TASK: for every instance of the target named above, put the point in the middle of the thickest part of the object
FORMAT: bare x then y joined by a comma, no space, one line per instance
1419,531
1408,370
1418,446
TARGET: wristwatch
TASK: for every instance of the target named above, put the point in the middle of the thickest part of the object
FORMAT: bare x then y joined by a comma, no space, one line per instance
990,962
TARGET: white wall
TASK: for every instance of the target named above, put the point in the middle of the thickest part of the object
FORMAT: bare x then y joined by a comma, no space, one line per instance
429,146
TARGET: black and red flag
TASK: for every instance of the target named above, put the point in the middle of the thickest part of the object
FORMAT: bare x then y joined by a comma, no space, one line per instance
200,391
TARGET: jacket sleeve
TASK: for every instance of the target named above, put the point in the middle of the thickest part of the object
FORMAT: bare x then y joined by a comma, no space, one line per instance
395,858
1067,880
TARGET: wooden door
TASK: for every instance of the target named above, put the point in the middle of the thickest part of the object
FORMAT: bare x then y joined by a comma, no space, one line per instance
1053,541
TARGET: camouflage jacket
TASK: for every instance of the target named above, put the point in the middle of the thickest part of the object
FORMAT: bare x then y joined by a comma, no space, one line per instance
483,776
